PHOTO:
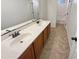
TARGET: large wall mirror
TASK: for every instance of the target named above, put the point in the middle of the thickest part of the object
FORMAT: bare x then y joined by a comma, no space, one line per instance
18,11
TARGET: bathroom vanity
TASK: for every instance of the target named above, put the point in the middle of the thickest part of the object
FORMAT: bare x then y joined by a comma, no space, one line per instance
29,44
23,33
35,49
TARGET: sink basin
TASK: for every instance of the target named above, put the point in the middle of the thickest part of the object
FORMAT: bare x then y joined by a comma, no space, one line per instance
20,39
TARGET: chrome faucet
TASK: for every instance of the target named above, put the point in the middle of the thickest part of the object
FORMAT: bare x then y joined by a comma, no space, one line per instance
15,34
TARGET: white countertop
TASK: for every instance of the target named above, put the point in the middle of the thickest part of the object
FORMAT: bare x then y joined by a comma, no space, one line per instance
12,48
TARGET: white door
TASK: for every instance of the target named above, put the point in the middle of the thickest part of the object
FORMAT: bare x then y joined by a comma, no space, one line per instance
72,19
66,11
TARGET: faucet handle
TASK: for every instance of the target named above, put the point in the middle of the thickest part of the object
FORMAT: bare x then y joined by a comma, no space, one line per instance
8,30
18,33
13,36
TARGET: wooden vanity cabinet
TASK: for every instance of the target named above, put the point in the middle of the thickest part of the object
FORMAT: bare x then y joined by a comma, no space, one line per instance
38,45
28,54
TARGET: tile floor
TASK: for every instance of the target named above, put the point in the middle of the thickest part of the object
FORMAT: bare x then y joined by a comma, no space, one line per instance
57,46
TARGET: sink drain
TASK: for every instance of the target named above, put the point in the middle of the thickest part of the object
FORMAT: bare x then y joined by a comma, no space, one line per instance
21,41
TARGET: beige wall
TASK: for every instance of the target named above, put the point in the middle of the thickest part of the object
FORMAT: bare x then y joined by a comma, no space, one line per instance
48,10
52,11
43,9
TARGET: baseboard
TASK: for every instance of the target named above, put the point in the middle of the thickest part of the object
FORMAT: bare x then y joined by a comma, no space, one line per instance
61,22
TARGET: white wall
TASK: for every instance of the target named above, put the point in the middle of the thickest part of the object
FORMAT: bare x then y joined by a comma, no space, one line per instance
15,12
52,11
43,9
36,8
48,10
61,12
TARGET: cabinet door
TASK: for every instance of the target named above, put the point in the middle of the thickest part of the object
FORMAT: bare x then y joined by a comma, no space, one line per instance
28,54
49,29
38,45
46,33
